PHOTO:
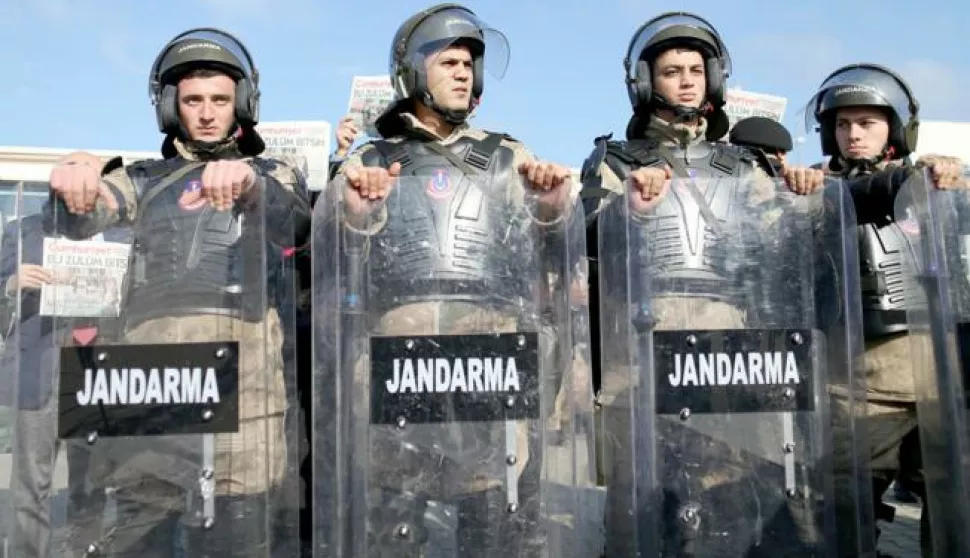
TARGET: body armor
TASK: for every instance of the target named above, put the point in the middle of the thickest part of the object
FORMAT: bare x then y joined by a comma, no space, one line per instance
444,240
679,244
453,234
181,253
883,280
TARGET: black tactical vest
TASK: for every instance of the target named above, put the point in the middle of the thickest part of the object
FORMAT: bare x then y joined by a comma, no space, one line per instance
680,246
449,236
883,281
188,258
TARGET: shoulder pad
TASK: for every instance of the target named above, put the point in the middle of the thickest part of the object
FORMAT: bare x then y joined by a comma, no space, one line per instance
373,145
151,168
502,135
373,153
728,158
618,147
113,164
592,163
605,140
267,164
742,152
282,171
147,164
633,154
278,169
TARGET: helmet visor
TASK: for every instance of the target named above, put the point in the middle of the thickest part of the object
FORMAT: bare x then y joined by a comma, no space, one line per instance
434,38
858,86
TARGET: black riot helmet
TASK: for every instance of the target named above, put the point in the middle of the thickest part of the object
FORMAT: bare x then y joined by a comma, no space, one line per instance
865,85
684,30
429,32
203,48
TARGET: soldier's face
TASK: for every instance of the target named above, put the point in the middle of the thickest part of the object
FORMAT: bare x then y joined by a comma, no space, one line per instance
207,106
861,132
450,76
680,78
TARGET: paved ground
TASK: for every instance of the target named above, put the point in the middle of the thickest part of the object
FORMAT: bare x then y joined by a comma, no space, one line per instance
900,538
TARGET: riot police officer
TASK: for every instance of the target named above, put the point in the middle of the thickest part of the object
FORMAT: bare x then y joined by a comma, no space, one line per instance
442,212
868,121
209,222
668,260
435,102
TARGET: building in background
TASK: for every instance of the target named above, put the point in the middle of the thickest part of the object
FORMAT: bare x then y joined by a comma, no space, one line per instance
944,138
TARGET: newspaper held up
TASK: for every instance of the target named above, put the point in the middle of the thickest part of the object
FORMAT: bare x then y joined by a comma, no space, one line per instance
369,98
88,278
304,145
742,104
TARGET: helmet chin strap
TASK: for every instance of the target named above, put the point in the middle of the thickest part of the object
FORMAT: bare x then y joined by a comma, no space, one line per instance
451,116
861,165
682,113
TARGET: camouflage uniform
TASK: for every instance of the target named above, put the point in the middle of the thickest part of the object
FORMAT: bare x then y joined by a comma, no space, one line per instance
250,463
474,477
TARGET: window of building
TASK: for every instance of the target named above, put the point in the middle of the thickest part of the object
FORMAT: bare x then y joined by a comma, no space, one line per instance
34,196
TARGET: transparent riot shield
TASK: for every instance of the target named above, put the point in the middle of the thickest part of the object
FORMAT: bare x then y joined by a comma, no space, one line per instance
730,325
10,417
571,420
289,502
156,351
447,394
937,278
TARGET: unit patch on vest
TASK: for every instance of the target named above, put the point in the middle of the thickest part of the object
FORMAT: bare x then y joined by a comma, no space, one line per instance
191,198
148,390
454,378
439,185
733,371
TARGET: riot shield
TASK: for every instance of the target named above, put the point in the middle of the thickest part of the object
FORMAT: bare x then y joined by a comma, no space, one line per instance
156,353
937,279
9,377
572,414
290,500
730,329
446,391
